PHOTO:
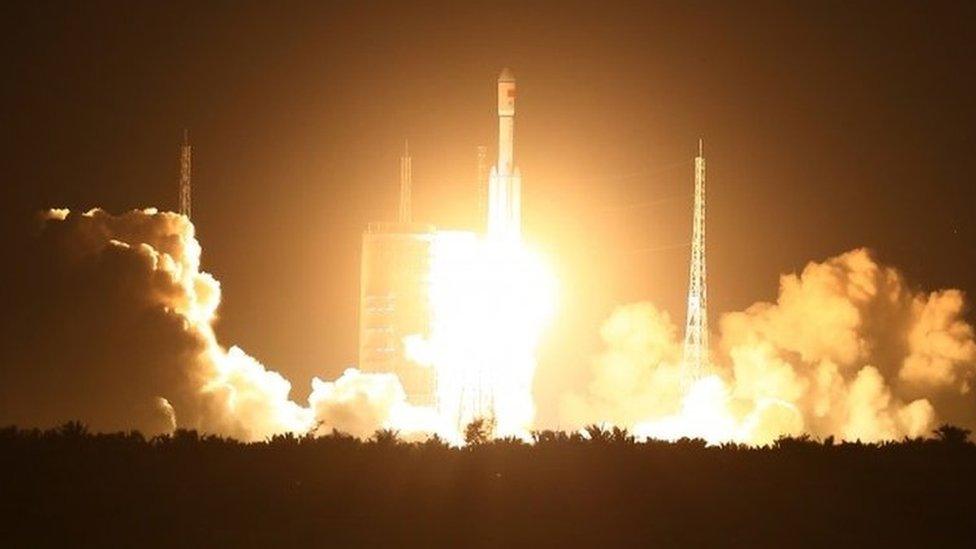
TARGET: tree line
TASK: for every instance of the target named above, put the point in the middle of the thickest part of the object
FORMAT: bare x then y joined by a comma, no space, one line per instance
598,487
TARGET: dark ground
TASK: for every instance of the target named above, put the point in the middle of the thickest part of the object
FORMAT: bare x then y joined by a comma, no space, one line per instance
68,487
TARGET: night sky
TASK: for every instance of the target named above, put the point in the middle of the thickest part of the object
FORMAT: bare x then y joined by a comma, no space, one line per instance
827,126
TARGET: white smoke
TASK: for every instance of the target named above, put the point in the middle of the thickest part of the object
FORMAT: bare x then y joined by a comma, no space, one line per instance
847,349
115,328
119,334
359,403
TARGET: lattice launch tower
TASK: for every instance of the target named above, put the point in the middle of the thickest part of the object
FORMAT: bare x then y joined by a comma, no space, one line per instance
404,214
695,362
186,159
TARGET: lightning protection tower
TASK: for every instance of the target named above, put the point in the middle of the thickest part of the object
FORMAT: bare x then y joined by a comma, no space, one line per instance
186,153
695,362
406,182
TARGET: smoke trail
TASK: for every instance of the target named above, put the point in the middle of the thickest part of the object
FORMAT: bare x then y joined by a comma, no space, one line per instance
847,349
116,331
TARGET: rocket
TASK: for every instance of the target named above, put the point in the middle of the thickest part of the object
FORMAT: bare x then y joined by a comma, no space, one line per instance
505,180
506,121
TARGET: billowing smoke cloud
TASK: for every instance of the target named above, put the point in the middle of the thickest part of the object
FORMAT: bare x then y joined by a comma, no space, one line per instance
110,322
114,328
847,349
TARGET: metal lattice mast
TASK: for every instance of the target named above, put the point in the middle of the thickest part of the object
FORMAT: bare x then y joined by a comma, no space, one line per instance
406,182
186,154
695,364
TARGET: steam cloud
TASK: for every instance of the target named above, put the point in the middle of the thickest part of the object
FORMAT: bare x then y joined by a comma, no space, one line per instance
118,333
847,349
115,329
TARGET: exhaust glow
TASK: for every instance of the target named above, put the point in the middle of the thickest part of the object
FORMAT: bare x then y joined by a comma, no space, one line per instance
490,301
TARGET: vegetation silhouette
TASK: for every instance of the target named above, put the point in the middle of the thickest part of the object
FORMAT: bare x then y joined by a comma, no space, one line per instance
950,434
598,487
478,431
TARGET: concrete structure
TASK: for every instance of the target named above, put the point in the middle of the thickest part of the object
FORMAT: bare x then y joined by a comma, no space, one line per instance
505,181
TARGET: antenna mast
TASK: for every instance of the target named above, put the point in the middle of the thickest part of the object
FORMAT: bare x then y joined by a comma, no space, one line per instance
695,364
186,153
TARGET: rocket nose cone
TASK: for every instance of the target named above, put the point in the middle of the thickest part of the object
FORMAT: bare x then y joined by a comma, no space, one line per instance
507,75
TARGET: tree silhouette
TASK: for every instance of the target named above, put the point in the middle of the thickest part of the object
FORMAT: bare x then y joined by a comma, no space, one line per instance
587,488
434,443
385,437
479,431
72,430
952,435
552,438
621,436
797,443
284,440
597,434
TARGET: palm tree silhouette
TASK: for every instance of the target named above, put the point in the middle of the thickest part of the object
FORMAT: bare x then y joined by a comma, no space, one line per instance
952,435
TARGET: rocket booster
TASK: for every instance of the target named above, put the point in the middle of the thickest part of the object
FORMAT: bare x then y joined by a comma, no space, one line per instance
506,122
505,182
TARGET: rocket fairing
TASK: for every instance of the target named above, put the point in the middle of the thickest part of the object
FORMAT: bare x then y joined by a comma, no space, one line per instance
506,122
505,181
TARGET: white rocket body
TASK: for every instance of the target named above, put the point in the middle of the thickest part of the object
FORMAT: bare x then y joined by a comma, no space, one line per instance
505,181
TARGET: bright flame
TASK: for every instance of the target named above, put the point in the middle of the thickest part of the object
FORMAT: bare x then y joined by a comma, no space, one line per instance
490,300
707,412
704,414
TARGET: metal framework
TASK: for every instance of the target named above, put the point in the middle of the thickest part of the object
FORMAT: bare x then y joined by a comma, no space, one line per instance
695,363
186,160
406,182
482,184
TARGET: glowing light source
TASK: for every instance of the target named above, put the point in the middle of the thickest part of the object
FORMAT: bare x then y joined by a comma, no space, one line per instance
490,300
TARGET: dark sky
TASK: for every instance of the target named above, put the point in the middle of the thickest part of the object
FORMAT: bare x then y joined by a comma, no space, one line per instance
827,126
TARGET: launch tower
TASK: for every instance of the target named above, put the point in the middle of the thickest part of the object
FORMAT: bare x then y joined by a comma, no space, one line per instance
394,284
406,183
186,153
